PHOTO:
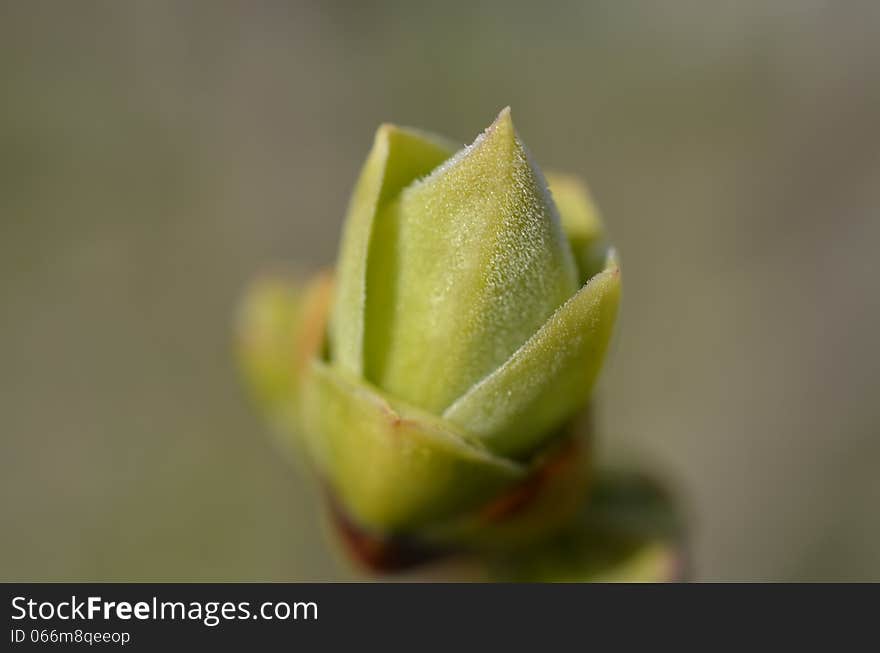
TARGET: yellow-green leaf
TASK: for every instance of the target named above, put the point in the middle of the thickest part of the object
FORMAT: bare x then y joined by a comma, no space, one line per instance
478,263
393,468
581,222
398,157
548,378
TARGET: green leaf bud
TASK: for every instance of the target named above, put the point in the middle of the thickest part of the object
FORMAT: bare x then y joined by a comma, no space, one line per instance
463,329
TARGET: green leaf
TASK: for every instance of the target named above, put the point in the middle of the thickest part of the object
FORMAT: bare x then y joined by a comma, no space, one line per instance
544,503
393,468
398,157
596,558
476,263
580,221
630,531
545,381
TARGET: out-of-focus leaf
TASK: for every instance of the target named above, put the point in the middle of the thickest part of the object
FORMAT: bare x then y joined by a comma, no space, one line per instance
281,325
630,531
581,222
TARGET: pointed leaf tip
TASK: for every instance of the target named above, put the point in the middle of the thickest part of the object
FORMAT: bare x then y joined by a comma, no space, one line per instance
479,264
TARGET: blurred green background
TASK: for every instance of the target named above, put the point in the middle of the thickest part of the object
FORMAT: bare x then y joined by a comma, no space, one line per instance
155,156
